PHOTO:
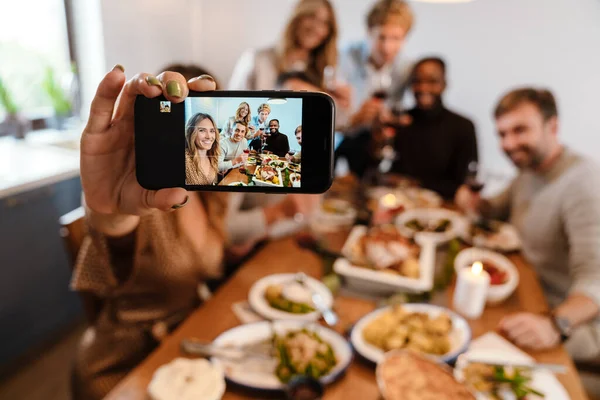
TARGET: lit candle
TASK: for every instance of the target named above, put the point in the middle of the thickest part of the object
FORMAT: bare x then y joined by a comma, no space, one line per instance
389,202
471,290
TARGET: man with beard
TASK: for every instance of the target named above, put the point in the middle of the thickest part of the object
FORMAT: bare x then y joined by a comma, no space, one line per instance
554,202
436,145
232,148
276,142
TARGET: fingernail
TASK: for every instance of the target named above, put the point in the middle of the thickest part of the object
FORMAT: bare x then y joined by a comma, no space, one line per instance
153,81
173,89
202,78
178,206
119,66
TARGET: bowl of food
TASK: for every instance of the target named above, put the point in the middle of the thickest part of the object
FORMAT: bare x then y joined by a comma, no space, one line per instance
504,276
381,261
278,164
428,329
286,297
295,179
294,348
493,235
407,375
440,225
266,175
183,378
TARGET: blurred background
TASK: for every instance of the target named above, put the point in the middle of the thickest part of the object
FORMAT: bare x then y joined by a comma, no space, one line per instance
53,53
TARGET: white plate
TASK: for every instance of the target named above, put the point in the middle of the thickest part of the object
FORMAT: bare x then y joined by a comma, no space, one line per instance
256,298
510,242
494,348
383,283
460,336
424,198
496,293
430,215
283,162
250,375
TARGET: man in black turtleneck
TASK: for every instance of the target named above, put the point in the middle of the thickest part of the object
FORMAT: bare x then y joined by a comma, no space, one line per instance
437,145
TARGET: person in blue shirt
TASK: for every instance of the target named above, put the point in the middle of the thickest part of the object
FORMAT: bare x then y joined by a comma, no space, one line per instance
378,74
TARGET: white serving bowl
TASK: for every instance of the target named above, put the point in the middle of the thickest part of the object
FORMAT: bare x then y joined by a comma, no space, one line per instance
496,293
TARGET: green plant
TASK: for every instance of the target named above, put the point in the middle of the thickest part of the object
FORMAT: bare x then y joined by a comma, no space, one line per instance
6,100
60,101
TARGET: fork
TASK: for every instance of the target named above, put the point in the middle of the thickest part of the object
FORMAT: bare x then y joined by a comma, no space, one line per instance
328,314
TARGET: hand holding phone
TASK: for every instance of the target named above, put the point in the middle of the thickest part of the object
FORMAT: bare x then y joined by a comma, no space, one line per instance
193,154
107,173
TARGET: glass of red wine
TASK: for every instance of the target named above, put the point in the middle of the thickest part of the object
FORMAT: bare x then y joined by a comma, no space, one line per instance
475,180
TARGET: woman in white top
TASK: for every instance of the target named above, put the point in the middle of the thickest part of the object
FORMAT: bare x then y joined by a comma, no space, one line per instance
309,44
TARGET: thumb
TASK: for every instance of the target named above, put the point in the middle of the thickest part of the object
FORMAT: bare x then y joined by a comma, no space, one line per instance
166,199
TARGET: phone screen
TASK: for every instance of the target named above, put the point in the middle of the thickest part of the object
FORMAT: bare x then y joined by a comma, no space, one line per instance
243,141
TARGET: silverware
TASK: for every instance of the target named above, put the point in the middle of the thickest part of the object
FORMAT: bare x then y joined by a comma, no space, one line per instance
556,368
204,349
328,314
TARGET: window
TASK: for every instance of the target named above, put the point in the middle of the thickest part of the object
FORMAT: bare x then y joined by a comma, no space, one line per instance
33,38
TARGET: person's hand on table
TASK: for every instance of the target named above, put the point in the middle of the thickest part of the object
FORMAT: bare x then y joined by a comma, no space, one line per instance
112,194
467,200
530,331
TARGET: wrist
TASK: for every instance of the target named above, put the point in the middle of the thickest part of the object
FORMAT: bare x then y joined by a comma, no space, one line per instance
562,326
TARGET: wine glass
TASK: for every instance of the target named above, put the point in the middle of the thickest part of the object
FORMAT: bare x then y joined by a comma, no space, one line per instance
382,86
475,180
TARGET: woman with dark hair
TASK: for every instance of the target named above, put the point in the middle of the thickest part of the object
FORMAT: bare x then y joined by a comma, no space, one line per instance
201,150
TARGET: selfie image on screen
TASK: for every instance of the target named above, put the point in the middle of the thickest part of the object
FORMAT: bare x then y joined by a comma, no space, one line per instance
243,142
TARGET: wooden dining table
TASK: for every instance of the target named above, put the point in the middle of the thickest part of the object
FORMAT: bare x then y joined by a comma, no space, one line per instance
280,256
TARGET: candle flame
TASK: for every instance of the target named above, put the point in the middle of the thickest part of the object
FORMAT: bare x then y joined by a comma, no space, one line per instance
477,268
389,200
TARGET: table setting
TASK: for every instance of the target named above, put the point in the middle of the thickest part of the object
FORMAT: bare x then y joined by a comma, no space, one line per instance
346,308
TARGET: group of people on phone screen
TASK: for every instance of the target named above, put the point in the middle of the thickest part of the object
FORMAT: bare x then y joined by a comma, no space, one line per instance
211,152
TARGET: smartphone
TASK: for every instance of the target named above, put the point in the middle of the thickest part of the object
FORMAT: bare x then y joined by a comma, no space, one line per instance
200,144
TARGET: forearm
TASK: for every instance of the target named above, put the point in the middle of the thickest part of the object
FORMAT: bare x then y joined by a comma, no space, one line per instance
578,309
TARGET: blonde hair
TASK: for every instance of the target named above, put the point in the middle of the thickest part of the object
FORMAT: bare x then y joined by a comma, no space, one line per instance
394,11
325,54
190,141
264,107
238,116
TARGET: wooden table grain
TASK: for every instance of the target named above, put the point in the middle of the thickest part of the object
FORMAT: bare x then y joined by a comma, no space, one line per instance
216,316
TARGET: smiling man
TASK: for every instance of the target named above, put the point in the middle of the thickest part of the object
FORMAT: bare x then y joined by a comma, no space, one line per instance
555,204
232,148
437,145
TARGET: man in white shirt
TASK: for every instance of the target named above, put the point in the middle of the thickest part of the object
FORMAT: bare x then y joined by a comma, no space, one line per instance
232,148
377,73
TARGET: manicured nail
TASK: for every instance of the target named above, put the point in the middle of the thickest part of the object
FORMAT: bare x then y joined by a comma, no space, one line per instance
153,81
174,89
119,66
178,206
206,77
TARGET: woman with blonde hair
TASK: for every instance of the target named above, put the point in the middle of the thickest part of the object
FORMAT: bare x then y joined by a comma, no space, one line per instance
201,150
243,114
308,44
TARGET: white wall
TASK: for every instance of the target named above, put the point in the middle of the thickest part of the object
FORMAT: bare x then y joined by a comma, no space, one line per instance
490,46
